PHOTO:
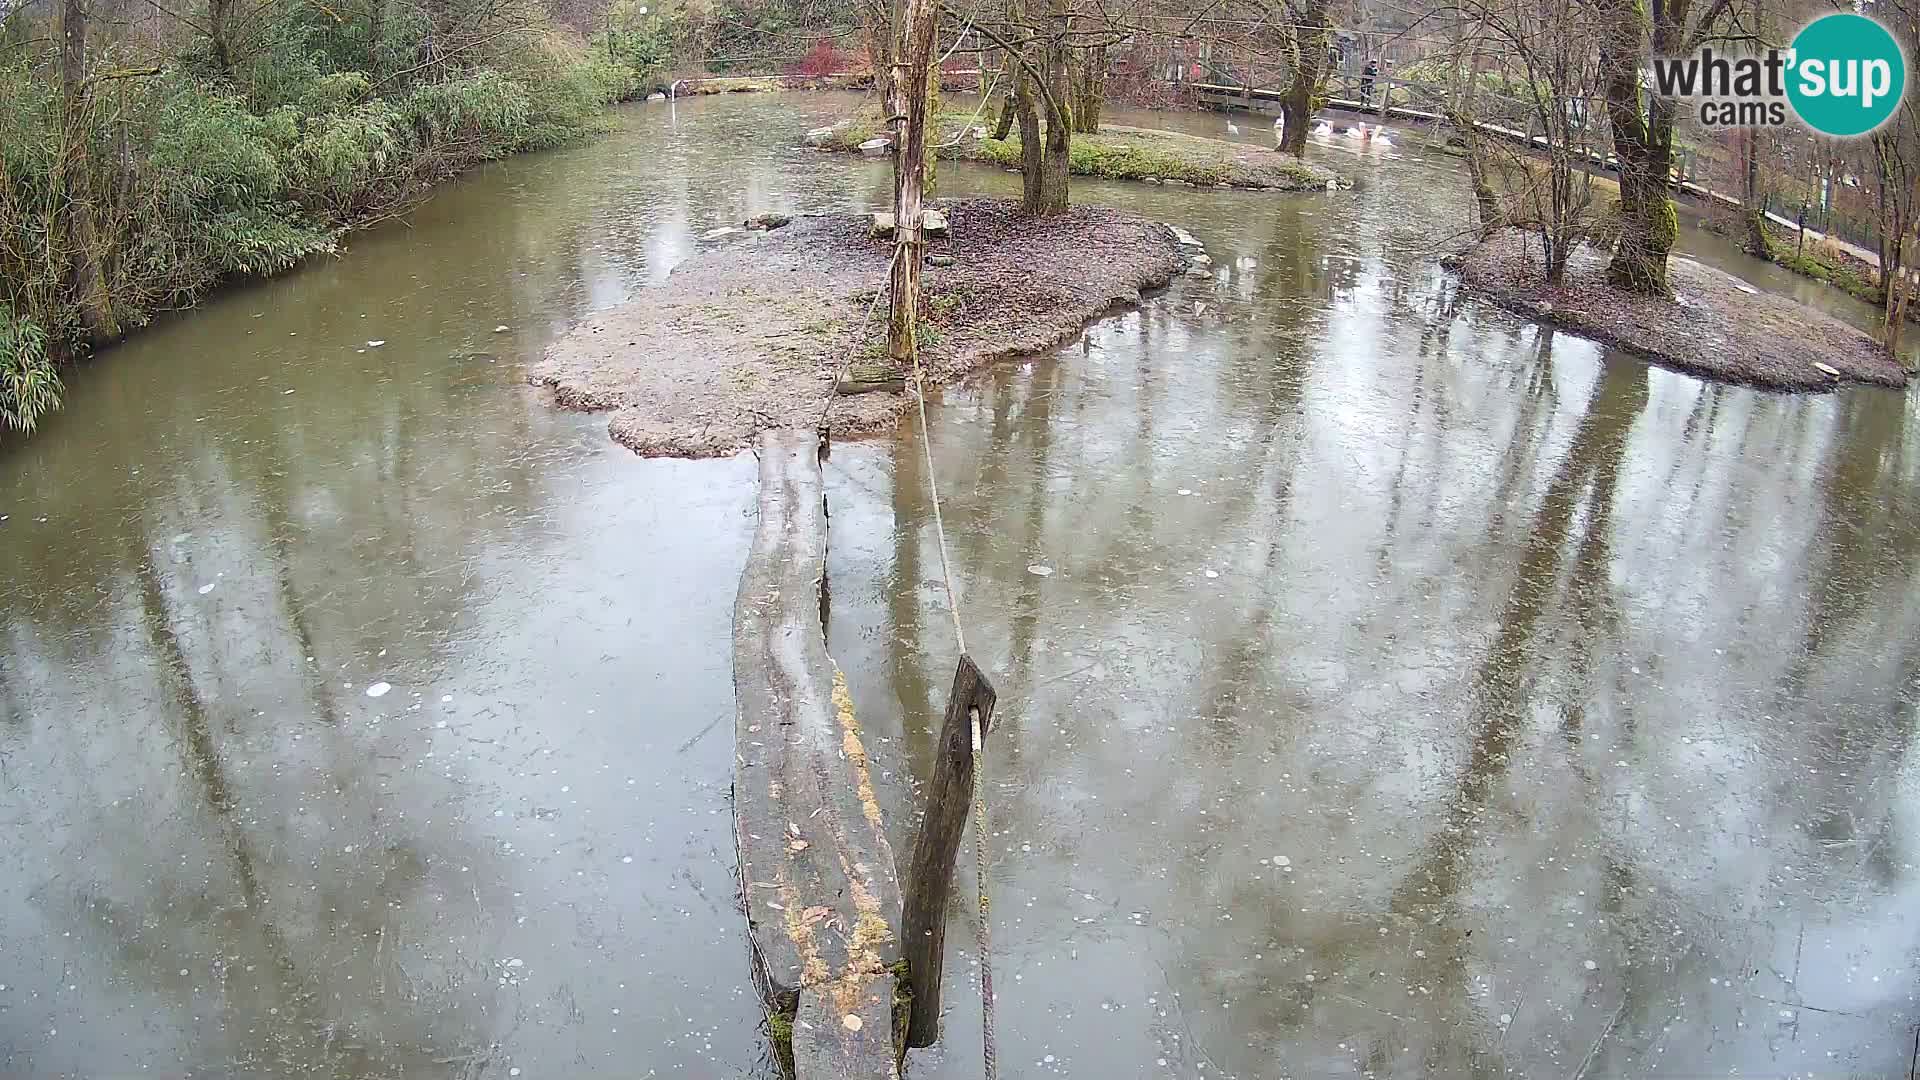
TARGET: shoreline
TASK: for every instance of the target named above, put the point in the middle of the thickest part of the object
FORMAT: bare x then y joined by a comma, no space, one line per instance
685,373
1715,326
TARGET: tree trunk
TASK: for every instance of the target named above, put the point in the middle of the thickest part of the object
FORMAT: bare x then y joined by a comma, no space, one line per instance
1486,203
220,35
1896,199
1059,103
1053,171
1759,244
1896,310
908,88
73,51
1032,148
1043,90
1309,60
1003,127
377,32
1090,90
1643,142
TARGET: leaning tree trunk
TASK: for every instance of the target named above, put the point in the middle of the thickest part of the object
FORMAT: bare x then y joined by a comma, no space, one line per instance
1309,59
1003,127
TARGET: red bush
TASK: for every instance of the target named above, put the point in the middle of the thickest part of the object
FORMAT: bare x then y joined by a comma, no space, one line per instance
823,59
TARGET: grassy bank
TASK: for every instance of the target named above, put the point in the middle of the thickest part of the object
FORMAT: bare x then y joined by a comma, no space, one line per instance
1116,153
1822,260
180,162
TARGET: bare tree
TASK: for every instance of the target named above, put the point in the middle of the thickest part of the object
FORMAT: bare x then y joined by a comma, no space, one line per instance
907,99
1544,47
1642,124
1896,161
1309,32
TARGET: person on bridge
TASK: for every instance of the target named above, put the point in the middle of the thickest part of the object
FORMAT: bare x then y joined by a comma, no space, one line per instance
1366,81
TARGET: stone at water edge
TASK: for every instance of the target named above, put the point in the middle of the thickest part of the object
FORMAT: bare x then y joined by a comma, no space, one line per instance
656,96
880,225
1826,369
933,223
940,260
767,221
722,233
819,136
1182,236
1203,259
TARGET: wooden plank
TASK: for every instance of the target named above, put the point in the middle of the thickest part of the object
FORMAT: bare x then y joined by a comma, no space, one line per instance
930,879
817,873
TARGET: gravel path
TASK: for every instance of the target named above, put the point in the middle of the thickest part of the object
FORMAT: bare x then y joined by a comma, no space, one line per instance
750,334
1716,326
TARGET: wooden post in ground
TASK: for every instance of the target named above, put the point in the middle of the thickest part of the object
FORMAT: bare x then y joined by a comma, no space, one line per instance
913,54
930,877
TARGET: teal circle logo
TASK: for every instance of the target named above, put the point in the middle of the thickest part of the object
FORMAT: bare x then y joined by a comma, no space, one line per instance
1848,75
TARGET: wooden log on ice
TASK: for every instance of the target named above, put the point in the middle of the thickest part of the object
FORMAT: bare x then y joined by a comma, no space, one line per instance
817,874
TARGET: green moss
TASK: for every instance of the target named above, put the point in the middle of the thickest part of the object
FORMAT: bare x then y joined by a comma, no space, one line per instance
902,1007
1840,277
1667,224
849,134
780,1030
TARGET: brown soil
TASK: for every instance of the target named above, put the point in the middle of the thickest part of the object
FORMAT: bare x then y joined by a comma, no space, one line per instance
1714,326
751,333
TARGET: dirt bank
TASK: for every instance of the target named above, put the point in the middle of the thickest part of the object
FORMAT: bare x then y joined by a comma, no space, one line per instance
1716,325
1115,153
750,334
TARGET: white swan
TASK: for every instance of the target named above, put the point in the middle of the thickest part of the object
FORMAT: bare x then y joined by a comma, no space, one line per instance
1232,129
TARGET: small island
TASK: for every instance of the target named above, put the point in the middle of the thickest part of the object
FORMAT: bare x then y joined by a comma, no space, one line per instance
1713,325
753,333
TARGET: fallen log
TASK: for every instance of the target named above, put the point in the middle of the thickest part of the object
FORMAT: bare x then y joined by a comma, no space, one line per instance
817,875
